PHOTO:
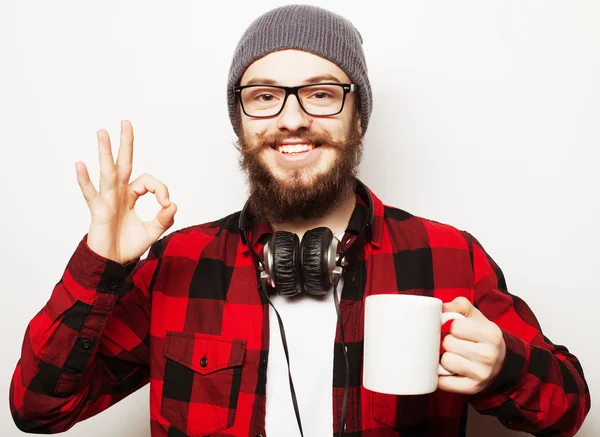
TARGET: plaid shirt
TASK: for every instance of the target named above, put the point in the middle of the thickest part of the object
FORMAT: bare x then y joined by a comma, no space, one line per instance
190,320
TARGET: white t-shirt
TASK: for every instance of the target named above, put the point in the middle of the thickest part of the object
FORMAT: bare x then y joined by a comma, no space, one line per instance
310,324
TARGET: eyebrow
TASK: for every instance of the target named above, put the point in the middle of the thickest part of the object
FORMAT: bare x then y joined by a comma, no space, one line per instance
313,79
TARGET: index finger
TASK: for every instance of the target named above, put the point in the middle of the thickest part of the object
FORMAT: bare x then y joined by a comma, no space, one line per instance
463,306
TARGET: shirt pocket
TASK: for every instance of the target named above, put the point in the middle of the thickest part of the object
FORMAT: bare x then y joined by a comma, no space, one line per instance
406,414
201,382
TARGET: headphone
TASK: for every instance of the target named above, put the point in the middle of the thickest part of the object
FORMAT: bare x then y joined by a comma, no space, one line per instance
313,265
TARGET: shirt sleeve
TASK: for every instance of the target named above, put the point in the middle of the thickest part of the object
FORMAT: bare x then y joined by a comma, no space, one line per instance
87,348
541,388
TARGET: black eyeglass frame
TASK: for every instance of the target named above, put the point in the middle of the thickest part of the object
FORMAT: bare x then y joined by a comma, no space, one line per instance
293,90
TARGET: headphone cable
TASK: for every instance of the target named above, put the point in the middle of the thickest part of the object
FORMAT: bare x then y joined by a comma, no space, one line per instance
263,283
263,287
345,349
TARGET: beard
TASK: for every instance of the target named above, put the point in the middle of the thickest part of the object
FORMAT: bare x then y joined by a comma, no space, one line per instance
281,201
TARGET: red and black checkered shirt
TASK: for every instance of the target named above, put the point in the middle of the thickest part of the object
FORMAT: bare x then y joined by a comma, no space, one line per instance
189,319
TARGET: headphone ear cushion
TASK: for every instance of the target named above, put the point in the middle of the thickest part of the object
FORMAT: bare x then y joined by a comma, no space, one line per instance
286,263
314,250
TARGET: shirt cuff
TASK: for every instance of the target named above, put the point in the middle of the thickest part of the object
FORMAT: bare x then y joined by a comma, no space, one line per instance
511,373
92,278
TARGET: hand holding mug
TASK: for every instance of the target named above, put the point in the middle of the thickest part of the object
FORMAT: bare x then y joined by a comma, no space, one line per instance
474,350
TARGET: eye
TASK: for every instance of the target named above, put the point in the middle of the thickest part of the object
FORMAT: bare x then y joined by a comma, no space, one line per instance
264,97
319,95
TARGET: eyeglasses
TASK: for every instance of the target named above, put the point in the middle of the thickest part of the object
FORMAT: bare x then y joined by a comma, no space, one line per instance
318,99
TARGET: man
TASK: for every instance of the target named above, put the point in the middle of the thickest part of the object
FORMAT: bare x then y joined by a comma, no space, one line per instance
193,318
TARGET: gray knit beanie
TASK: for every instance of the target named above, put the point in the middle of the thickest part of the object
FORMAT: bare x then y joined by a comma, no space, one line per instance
308,28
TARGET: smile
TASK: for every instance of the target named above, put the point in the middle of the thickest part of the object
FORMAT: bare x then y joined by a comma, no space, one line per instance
289,149
294,154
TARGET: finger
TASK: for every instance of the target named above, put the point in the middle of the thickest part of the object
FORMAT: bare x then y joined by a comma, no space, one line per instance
458,384
460,365
125,155
163,221
83,179
477,352
457,346
107,164
463,306
472,330
148,183
460,305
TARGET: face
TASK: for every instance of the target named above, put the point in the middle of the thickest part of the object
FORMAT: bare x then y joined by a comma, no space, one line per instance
299,165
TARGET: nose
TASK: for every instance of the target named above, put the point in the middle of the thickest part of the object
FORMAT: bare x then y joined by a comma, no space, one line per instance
292,116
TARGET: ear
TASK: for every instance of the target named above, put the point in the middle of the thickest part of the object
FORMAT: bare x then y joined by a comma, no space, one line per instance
240,119
358,117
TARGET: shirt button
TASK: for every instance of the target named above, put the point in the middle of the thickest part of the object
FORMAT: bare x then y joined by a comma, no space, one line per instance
203,362
86,344
259,435
113,285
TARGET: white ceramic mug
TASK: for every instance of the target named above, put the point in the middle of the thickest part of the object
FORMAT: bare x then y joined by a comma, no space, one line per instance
402,343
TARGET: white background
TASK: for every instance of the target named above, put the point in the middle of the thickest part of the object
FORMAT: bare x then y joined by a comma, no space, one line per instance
485,117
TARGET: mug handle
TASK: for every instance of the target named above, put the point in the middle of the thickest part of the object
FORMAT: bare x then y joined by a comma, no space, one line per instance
446,317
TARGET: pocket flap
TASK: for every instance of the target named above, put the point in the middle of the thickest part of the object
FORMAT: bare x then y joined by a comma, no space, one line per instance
203,354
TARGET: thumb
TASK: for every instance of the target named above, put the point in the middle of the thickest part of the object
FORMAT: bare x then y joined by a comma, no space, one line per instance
463,306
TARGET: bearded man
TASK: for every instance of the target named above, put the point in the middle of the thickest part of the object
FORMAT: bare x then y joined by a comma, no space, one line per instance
252,325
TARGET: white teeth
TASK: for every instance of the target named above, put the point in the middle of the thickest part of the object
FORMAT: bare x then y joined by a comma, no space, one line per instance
295,148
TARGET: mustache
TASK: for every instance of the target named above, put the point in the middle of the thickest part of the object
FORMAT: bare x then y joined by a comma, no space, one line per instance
272,140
